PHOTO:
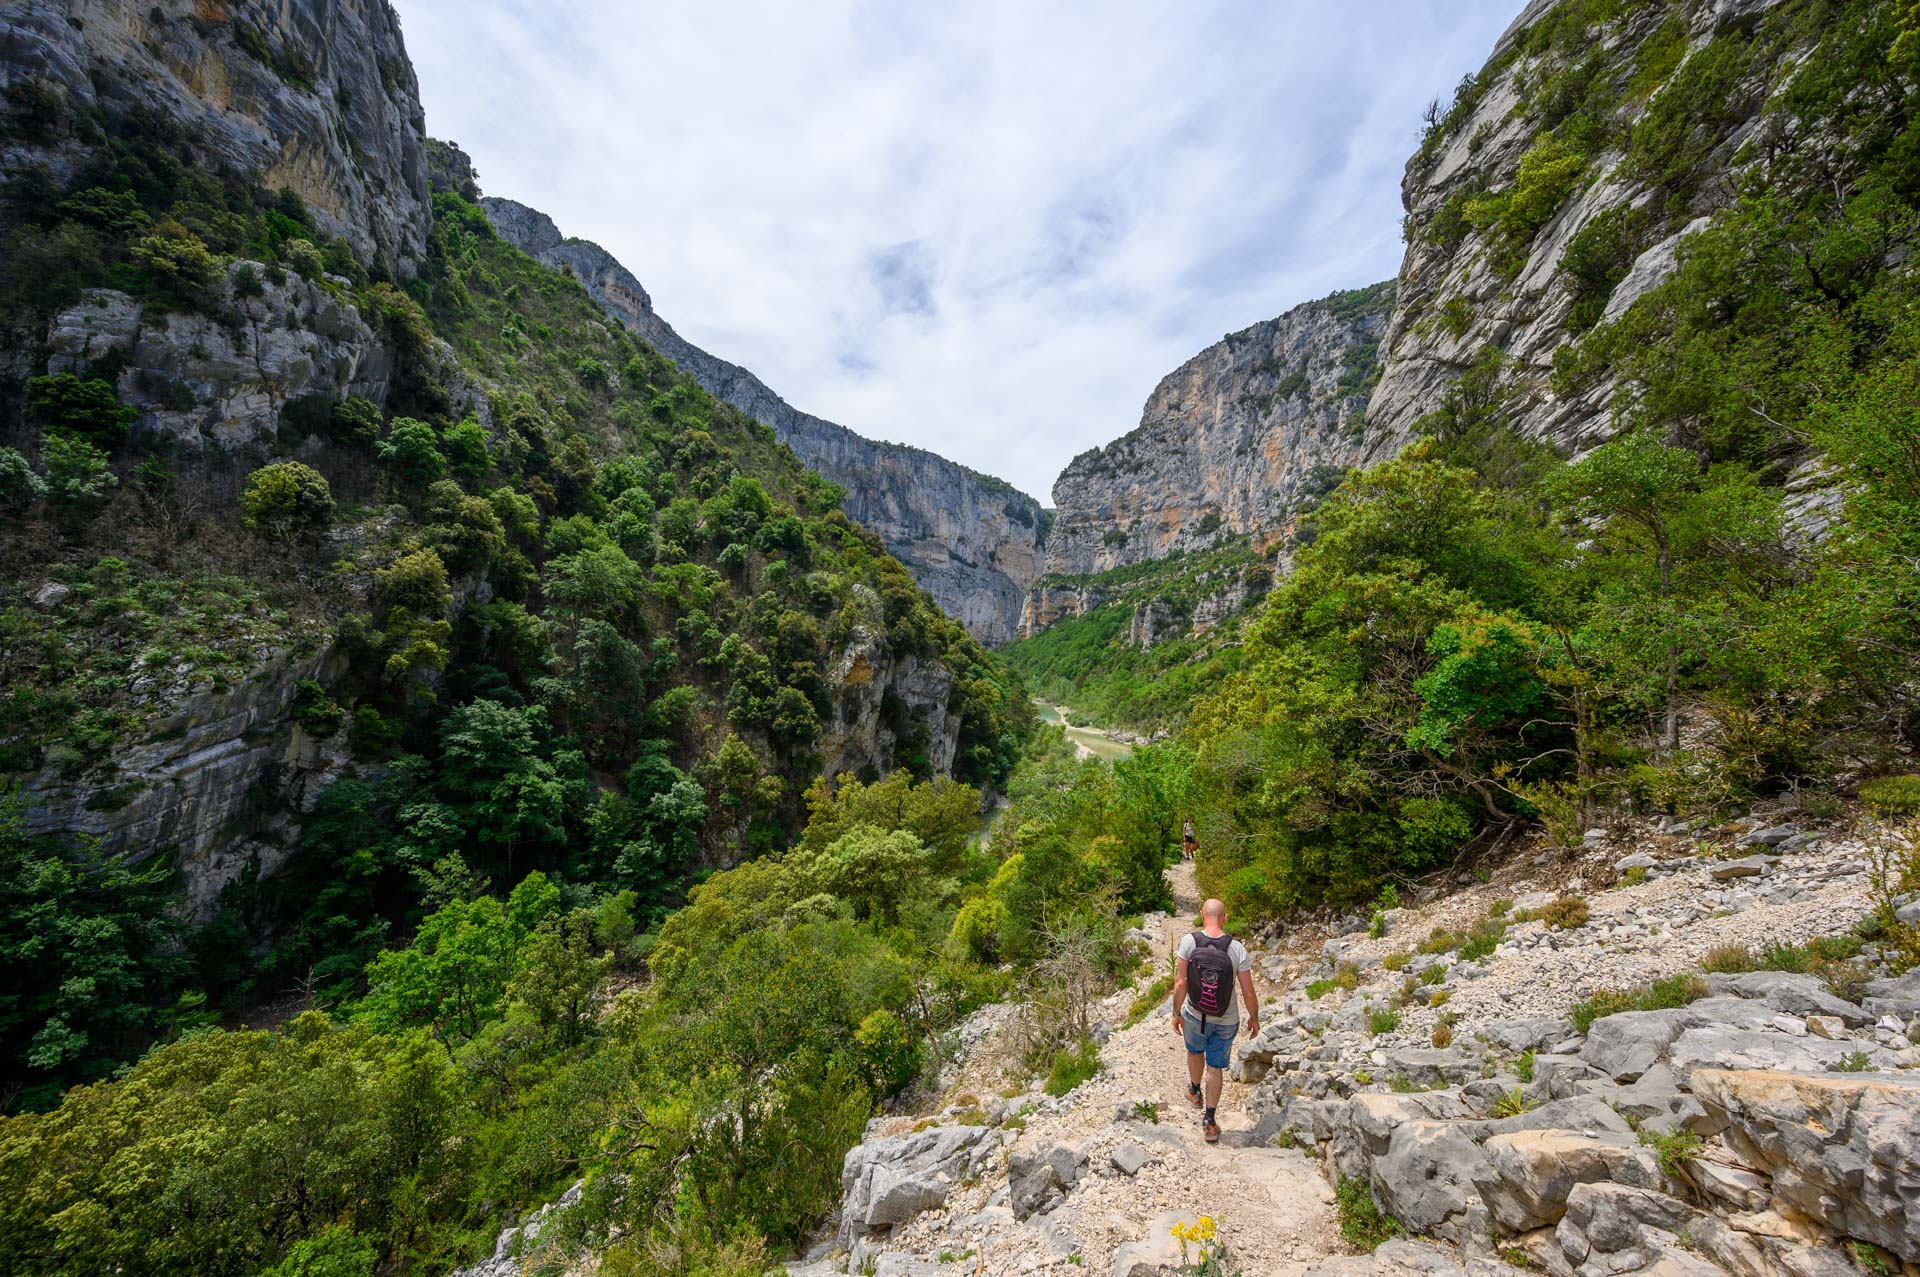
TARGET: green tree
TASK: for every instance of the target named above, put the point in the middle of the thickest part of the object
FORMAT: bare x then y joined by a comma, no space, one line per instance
89,408
411,451
284,499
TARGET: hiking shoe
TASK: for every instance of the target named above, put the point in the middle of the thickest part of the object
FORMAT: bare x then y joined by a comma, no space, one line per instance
1193,1095
1210,1130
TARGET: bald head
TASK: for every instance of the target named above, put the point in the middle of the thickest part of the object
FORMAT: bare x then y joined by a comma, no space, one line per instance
1214,911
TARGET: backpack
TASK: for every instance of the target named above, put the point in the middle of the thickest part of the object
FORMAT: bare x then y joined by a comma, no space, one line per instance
1210,975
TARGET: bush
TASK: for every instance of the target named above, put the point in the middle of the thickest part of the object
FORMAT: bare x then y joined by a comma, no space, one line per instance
285,499
1729,959
1663,994
1073,1065
1382,1020
1892,796
1674,1149
1443,1035
1361,1221
1513,1103
1565,914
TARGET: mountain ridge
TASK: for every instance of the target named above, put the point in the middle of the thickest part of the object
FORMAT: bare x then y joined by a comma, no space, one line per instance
972,541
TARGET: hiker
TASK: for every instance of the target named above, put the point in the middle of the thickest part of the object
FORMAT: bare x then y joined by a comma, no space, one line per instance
1188,843
1204,1014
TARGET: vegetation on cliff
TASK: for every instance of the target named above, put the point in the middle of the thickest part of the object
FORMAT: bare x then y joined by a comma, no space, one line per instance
1483,634
584,619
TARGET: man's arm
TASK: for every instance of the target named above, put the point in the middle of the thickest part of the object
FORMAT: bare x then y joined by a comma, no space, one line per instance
1179,994
1252,1000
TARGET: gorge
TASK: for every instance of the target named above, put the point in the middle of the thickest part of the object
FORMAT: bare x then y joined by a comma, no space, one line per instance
490,787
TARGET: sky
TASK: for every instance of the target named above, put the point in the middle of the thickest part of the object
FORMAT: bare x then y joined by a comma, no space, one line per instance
988,228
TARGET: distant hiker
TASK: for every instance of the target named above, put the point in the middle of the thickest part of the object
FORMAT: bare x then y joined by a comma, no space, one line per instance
1211,963
1188,843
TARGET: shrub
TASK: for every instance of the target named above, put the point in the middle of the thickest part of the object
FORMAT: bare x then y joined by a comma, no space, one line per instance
1443,1035
316,712
1853,1062
1397,960
1663,994
1523,1067
1435,974
1382,1020
1073,1065
1361,1221
1512,1103
1729,959
1566,913
179,269
284,499
1892,796
77,473
1674,1149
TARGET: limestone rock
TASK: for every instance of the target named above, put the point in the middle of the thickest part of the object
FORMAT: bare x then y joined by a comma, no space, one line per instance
1801,995
1529,1174
515,1244
1396,1258
888,1181
1038,1179
338,120
1842,1149
1723,1048
1239,439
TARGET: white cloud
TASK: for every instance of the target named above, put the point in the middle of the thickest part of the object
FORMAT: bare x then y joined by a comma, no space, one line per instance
986,229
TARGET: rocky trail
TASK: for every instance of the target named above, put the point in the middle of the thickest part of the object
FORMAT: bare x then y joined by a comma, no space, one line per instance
1757,1123
1094,1180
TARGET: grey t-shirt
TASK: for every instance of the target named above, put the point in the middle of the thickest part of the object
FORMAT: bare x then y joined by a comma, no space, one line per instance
1242,961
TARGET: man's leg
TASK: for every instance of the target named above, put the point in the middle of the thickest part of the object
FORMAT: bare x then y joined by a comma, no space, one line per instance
1196,1062
1214,1080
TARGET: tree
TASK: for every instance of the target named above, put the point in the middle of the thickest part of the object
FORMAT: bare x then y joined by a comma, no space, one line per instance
77,473
467,451
412,452
284,499
20,487
88,946
89,408
873,868
1636,485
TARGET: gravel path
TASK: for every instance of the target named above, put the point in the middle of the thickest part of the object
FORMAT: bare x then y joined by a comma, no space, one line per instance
1272,1207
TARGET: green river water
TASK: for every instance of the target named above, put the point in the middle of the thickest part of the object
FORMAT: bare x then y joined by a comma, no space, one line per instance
1091,740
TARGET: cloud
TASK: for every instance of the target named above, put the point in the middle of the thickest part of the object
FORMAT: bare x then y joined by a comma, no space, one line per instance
986,229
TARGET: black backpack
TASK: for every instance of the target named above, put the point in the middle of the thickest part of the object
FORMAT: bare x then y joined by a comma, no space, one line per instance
1210,975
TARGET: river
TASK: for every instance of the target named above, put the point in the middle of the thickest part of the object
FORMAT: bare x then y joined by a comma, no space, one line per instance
1090,741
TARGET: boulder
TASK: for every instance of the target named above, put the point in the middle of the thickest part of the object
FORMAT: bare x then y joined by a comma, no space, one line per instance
1770,837
1037,1180
1533,1034
1794,994
1842,1149
1431,1066
1712,1047
1830,1027
514,1247
1128,1159
51,595
1426,1177
1657,1100
1626,1045
1528,1174
1554,1075
888,1181
1897,997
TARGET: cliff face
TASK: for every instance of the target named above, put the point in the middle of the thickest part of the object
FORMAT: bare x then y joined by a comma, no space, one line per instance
316,96
1233,441
972,542
1559,189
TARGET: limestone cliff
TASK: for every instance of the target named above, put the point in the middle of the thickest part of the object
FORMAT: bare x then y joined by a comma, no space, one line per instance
309,95
1232,442
1559,188
973,542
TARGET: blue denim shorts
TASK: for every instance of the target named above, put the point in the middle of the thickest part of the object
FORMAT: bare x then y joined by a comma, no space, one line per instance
1215,1041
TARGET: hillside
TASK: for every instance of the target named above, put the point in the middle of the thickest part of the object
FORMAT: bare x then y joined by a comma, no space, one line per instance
971,541
348,547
